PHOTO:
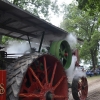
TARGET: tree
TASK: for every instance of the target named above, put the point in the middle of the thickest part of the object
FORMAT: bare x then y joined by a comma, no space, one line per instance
92,6
6,39
85,27
40,8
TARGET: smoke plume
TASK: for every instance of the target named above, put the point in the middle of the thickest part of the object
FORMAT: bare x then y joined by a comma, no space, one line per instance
17,47
72,40
73,71
22,47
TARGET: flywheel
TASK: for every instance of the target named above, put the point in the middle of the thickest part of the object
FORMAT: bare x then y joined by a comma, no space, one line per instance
61,50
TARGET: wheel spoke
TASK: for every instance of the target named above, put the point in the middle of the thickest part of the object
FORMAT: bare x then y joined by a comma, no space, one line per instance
33,73
30,77
29,95
45,69
54,70
80,94
65,58
83,92
84,95
59,82
80,84
59,96
83,81
79,89
85,85
62,52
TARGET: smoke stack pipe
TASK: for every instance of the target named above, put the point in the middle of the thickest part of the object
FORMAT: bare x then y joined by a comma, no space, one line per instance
77,55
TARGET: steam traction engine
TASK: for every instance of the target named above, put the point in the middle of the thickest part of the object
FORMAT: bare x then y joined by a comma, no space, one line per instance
38,75
42,76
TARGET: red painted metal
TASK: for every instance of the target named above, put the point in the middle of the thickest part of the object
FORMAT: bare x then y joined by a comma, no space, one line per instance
2,84
82,88
45,80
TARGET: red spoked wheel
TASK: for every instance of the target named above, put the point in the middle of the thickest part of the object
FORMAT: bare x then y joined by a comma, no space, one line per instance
79,88
45,79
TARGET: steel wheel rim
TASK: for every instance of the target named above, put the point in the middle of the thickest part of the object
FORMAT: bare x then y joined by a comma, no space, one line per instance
43,85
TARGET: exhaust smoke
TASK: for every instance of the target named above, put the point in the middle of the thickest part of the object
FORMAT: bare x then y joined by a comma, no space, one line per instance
72,40
20,48
17,47
73,71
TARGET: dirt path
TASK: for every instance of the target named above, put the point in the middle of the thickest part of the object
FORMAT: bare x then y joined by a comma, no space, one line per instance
93,90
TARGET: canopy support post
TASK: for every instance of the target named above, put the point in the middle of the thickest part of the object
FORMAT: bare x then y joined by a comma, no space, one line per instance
29,43
41,41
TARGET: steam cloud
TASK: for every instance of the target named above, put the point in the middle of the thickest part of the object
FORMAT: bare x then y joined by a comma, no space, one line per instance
21,48
72,40
72,71
17,47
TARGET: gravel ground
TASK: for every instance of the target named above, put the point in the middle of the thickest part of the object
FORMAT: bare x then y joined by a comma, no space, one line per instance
93,90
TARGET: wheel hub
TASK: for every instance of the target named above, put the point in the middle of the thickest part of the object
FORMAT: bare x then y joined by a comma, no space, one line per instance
83,87
49,96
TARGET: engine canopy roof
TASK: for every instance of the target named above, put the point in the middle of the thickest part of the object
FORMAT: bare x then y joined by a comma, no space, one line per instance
18,23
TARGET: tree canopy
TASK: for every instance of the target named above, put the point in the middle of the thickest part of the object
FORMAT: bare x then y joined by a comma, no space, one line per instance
92,6
40,8
85,27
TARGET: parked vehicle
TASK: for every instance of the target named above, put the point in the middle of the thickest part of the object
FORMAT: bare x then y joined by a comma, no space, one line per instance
89,73
97,71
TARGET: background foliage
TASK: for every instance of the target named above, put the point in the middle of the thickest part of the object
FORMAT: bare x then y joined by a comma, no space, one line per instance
86,27
92,6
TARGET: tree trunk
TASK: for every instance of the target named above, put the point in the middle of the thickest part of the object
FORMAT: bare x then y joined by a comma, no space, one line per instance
93,59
